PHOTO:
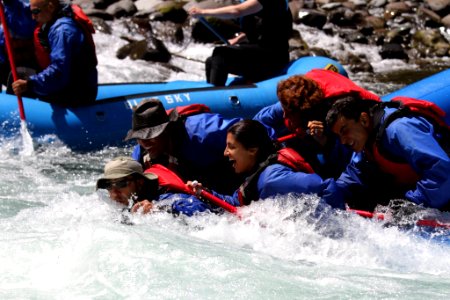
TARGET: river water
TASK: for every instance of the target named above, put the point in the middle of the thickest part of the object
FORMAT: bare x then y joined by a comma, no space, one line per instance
60,239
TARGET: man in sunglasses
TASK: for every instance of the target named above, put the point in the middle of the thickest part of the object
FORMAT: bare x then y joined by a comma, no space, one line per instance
127,184
66,71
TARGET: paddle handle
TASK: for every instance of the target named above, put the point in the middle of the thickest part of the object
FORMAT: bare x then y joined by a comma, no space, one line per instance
207,25
10,53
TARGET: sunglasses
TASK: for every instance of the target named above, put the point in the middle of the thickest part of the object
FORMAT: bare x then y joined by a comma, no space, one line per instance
38,10
117,184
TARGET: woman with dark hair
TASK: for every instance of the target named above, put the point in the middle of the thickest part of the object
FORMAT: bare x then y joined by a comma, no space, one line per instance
269,172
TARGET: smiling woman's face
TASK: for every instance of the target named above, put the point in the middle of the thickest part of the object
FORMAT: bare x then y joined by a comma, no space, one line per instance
243,159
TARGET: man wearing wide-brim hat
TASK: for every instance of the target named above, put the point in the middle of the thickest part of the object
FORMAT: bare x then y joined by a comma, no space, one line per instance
192,145
150,119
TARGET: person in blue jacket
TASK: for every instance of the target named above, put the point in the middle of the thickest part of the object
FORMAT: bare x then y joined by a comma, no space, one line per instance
253,154
398,157
64,51
192,146
128,185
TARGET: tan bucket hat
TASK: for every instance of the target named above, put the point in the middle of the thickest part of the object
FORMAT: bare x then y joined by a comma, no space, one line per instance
120,167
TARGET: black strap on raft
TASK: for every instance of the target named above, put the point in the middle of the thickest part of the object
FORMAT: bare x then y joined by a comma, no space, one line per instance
285,156
249,189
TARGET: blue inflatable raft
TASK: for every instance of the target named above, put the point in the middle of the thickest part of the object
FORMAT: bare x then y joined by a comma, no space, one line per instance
435,88
106,122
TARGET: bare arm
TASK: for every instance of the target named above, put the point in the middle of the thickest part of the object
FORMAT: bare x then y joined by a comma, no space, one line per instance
228,12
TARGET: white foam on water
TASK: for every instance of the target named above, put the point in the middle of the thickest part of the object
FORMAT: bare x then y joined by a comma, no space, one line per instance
27,141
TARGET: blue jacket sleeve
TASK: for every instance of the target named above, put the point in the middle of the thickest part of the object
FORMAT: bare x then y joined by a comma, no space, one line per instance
413,139
66,41
184,204
272,116
136,154
354,183
278,179
230,199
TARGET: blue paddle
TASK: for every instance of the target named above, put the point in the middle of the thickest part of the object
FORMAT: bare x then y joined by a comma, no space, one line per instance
207,25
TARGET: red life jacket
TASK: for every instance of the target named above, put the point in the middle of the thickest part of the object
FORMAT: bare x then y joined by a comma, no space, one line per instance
168,179
335,85
292,159
285,156
403,173
173,183
187,110
41,44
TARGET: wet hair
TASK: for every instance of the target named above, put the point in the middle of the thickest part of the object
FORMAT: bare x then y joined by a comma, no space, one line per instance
253,134
300,94
349,107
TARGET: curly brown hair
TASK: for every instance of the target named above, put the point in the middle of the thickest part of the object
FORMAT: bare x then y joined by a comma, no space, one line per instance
299,93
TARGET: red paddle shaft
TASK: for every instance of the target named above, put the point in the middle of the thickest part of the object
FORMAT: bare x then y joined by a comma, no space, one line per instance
11,56
170,179
379,216
219,202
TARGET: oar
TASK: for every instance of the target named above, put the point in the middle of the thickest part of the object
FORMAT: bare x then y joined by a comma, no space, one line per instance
380,216
207,25
216,200
168,178
27,141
